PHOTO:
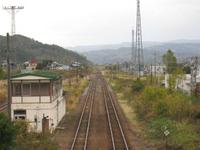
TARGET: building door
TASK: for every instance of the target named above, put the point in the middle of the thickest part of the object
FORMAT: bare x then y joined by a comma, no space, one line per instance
45,125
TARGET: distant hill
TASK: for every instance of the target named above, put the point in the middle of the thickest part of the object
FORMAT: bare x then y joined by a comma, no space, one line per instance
182,50
87,48
27,48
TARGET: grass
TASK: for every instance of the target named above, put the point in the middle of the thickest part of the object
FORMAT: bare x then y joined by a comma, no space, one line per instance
3,91
74,90
122,87
152,108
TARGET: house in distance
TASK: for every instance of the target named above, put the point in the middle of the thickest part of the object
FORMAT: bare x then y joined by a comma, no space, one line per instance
31,64
37,97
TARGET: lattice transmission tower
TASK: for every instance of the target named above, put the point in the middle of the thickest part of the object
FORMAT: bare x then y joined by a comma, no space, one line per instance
13,10
139,57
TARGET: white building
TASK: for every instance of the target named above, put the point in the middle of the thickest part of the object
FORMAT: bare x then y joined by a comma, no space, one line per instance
56,66
158,69
31,64
183,84
38,98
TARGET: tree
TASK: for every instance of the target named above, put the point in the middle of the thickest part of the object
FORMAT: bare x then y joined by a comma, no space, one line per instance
44,64
7,133
170,61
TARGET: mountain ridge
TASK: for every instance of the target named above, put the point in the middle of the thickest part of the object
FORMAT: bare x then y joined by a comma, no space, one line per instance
27,48
109,56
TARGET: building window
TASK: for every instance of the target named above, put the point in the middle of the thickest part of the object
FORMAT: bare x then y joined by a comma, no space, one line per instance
45,89
19,114
26,89
35,89
16,90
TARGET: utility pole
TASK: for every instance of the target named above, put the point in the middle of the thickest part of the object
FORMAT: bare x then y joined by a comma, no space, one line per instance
8,76
155,67
193,67
133,55
151,75
139,58
13,10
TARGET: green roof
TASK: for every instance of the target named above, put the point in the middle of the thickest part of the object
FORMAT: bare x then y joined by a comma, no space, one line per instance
45,74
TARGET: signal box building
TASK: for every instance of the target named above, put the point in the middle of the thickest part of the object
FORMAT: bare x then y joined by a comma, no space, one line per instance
38,98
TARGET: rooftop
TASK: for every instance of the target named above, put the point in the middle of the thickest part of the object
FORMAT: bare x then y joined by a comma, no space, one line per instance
44,74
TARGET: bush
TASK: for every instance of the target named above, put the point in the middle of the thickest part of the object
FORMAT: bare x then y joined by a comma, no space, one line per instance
137,86
180,106
31,140
7,133
156,102
151,103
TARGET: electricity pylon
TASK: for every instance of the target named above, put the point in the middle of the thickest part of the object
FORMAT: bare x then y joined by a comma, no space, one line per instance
13,10
139,58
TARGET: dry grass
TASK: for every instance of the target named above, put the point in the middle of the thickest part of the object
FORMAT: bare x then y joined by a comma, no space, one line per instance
74,91
3,91
123,97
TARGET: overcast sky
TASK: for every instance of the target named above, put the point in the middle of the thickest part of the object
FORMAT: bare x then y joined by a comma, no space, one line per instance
90,22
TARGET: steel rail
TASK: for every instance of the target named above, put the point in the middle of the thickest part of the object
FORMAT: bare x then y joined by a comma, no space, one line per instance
80,120
90,95
116,115
89,120
109,120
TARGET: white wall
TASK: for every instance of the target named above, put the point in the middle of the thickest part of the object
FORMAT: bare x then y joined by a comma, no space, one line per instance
31,99
55,112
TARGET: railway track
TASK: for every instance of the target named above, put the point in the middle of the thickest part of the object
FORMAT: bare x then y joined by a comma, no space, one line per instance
80,140
3,107
117,134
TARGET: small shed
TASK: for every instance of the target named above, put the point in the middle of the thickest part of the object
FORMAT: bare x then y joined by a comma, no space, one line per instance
37,97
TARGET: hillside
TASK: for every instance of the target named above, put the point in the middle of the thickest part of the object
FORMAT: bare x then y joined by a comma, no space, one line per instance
108,56
27,48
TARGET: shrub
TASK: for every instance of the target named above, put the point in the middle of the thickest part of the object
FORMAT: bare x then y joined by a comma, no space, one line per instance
180,106
7,133
151,103
137,86
31,140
